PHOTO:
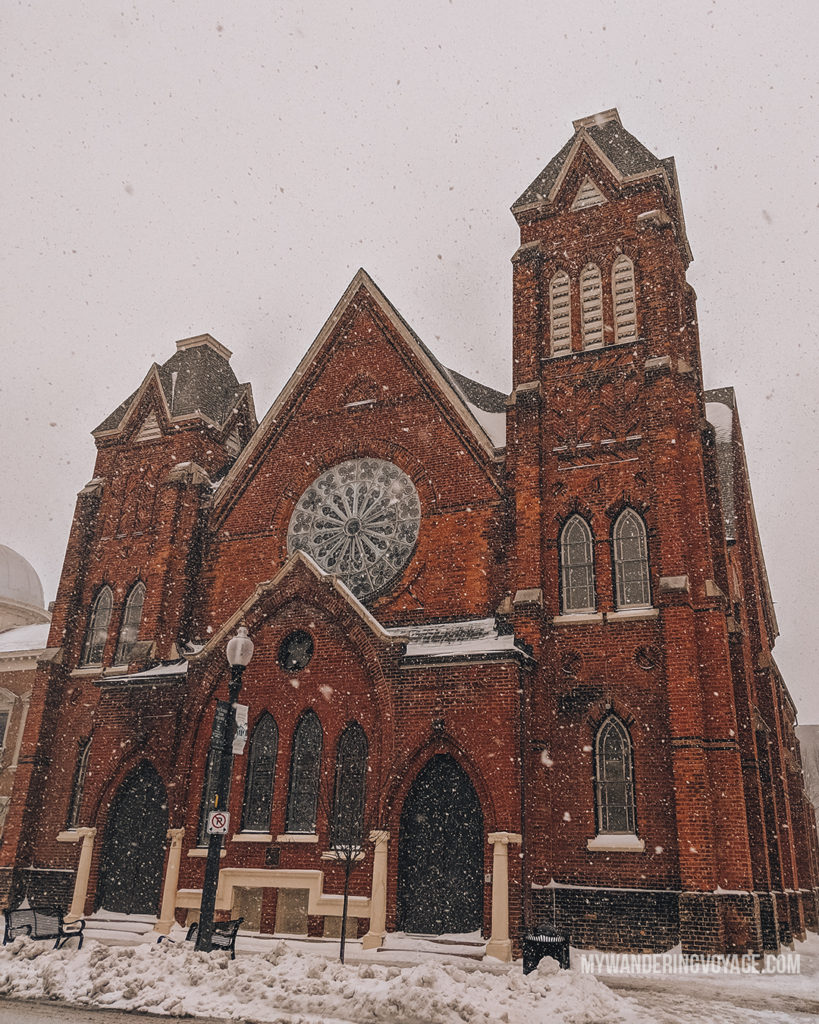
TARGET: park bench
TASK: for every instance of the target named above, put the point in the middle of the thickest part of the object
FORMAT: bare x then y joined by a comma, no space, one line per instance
223,935
42,923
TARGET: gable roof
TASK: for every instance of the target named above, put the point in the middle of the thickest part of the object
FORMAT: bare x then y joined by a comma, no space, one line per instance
618,147
298,560
196,381
469,409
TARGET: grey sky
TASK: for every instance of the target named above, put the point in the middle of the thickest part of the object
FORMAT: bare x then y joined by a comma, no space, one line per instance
175,168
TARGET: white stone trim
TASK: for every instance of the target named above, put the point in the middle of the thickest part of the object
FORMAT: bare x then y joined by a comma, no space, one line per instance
577,618
297,837
319,903
632,613
252,837
617,842
201,851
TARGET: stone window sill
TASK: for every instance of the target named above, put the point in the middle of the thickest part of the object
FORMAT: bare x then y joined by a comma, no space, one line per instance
633,613
70,835
617,842
252,837
88,670
335,855
297,837
577,618
201,851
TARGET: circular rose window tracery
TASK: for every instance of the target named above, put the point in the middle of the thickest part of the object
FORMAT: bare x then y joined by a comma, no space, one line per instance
359,520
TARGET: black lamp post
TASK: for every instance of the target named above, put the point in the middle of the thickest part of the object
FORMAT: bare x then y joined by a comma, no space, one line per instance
239,653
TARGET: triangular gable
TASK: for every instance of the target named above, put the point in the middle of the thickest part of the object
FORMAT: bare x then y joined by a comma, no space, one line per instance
588,195
135,404
299,560
414,345
150,429
584,139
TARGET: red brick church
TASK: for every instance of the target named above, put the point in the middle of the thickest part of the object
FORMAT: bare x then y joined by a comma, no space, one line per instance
524,639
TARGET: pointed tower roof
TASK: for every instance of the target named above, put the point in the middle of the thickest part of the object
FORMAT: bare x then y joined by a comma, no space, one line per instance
625,157
196,381
626,154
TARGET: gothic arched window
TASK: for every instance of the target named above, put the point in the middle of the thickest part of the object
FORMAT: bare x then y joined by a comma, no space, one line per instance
129,628
577,566
591,306
261,769
560,307
80,772
625,302
614,778
305,774
631,561
97,633
348,797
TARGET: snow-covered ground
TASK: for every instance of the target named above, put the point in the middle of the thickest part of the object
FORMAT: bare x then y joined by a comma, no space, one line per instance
290,983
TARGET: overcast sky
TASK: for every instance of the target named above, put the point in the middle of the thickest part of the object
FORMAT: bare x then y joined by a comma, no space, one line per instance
175,168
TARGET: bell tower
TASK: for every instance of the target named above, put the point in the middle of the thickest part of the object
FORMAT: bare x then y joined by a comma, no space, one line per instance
616,545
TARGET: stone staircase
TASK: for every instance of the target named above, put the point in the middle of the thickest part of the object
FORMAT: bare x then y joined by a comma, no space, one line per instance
120,929
469,946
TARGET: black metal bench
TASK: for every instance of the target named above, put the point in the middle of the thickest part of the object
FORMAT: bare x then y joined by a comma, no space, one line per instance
223,935
42,923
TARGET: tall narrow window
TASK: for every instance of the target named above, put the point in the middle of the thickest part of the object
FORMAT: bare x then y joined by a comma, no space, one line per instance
305,769
80,772
591,306
261,769
131,618
560,307
348,798
631,561
577,566
614,778
625,303
97,634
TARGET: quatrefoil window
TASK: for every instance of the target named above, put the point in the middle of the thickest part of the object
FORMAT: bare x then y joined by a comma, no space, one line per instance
359,520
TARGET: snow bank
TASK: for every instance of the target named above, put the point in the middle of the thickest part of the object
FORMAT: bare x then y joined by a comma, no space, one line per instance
177,980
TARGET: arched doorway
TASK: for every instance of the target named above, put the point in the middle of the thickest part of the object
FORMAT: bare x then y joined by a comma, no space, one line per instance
134,846
440,852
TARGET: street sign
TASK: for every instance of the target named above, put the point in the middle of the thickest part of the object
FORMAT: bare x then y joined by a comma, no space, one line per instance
240,732
220,717
218,823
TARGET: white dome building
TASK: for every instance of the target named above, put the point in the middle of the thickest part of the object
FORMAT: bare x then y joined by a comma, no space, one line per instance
21,592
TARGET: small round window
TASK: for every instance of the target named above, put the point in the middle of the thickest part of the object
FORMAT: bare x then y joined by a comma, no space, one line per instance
296,651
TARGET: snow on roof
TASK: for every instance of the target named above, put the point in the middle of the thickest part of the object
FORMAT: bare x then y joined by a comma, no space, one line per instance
25,638
168,668
494,423
459,639
721,417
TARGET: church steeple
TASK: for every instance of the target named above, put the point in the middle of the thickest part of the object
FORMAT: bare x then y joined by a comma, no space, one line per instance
603,252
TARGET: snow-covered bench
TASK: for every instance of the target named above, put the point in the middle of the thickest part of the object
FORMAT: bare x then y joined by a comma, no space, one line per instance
223,935
41,923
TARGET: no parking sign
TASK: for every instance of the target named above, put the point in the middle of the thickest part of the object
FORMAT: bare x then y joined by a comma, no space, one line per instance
218,822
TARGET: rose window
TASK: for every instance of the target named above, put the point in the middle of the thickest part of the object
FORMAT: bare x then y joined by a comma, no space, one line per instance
359,521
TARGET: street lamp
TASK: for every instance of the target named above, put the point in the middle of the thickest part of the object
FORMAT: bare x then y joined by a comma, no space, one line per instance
239,653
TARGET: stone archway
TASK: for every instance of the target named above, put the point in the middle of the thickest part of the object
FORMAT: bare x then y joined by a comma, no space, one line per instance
133,849
440,852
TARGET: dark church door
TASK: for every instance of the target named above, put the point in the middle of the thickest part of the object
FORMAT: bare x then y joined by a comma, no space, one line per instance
440,852
134,848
